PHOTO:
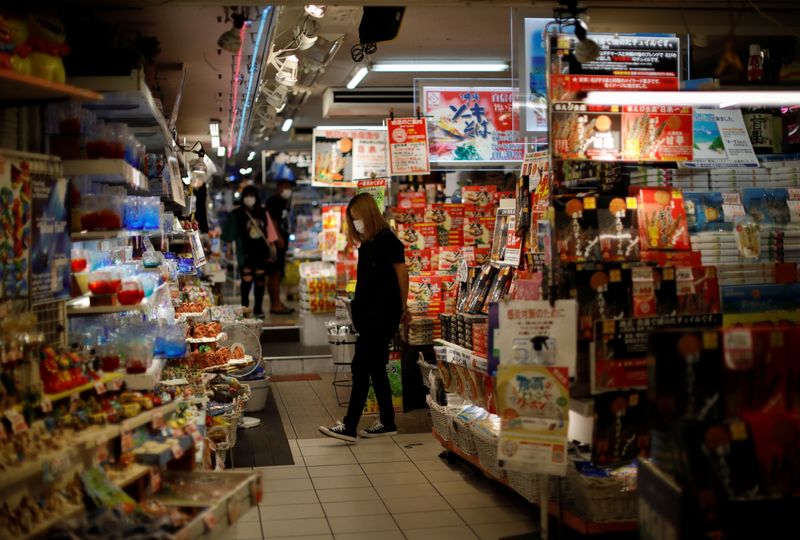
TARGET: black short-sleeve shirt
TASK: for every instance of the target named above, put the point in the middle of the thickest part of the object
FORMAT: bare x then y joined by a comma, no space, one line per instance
377,303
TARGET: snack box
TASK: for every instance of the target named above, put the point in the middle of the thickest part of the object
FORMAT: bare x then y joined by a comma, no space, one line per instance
662,220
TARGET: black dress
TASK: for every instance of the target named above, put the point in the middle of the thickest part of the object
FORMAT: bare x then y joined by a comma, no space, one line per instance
377,309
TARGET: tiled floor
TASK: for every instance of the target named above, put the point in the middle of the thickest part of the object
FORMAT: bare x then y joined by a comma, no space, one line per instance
381,489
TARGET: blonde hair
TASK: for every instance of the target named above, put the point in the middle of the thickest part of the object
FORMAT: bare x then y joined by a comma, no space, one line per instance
369,212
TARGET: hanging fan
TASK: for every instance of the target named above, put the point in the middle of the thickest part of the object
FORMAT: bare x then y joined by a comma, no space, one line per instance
241,338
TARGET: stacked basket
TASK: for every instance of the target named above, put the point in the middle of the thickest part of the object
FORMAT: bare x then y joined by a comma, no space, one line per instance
486,443
602,499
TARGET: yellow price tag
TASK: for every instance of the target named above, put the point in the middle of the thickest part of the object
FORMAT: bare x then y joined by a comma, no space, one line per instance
615,276
669,273
633,401
738,431
710,340
589,203
631,203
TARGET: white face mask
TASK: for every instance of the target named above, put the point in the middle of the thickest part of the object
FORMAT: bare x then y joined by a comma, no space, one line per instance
249,201
286,193
358,225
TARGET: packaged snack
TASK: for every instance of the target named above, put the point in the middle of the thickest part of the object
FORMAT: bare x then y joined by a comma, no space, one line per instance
503,222
523,205
449,259
418,236
602,295
697,290
576,230
478,231
418,261
478,195
767,205
662,220
705,212
499,288
620,427
619,234
408,215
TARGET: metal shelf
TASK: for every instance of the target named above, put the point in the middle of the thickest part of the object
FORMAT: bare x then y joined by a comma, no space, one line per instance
80,307
87,236
109,171
18,87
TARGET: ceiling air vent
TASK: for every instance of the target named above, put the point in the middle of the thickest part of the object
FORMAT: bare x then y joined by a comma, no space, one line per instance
372,102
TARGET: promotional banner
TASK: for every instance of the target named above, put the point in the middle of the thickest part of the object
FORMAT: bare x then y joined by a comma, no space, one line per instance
533,404
472,125
408,146
51,246
626,62
393,369
15,226
343,155
721,141
630,133
376,188
533,77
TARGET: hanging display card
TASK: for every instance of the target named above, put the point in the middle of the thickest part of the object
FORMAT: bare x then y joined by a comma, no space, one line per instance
721,141
408,146
50,250
376,188
533,404
197,249
343,155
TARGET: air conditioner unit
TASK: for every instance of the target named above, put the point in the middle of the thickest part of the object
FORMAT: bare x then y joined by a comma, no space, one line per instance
374,102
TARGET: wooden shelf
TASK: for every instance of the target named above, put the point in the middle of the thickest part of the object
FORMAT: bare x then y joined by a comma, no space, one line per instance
18,87
569,517
105,379
70,512
131,474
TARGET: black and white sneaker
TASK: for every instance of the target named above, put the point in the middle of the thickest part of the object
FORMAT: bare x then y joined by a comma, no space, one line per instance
377,430
339,431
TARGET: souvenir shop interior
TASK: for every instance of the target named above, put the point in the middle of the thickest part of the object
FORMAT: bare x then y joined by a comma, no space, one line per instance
599,205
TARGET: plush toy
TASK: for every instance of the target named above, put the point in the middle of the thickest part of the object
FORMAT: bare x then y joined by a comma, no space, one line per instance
48,41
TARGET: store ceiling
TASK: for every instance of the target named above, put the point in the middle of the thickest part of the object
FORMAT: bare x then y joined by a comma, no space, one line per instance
442,29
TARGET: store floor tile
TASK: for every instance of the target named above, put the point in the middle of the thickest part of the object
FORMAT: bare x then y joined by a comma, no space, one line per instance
397,505
354,508
496,514
245,530
266,444
295,527
325,471
294,484
333,482
282,473
461,532
295,511
395,467
374,523
428,519
347,494
288,497
406,490
394,479
497,531
384,535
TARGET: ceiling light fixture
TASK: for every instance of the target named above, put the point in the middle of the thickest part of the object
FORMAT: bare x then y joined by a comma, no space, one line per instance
287,70
316,10
586,50
248,170
287,125
277,97
357,77
306,34
215,141
213,127
231,40
700,98
251,156
221,151
256,47
438,67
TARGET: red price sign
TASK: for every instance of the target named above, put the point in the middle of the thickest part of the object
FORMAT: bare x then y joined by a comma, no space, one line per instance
408,146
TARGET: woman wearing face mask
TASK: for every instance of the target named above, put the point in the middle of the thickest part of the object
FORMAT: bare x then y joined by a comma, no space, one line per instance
378,308
250,226
278,208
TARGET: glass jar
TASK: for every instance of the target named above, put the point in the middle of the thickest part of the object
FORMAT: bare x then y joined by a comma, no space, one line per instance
130,292
138,353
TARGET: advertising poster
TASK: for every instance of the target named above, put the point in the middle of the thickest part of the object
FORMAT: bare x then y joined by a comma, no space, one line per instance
51,246
15,226
472,125
721,141
583,131
533,78
522,320
408,146
533,404
343,155
626,62
656,133
376,188
393,369
332,232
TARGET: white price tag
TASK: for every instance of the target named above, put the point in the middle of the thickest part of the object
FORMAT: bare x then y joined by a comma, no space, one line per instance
100,387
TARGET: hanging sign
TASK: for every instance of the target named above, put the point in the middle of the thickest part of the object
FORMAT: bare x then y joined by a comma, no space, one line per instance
721,141
343,155
471,125
408,146
377,188
197,249
50,249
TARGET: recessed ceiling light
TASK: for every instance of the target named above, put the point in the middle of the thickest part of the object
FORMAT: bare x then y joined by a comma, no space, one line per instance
697,98
316,10
439,67
287,124
358,77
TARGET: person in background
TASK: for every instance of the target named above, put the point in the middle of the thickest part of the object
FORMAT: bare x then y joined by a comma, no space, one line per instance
250,226
378,308
278,208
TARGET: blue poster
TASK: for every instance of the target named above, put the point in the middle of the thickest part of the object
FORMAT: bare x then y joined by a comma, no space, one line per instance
51,246
535,73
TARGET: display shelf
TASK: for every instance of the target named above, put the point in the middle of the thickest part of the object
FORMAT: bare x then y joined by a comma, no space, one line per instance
220,337
148,416
567,516
18,87
108,171
87,236
464,356
127,99
232,365
129,475
71,511
105,379
147,380
80,306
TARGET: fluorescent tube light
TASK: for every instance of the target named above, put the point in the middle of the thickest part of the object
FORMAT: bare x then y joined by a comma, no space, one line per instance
213,128
439,67
358,77
251,156
215,142
710,98
287,124
221,151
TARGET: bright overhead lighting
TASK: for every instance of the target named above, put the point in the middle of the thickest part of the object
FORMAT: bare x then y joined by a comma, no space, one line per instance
213,128
697,98
358,77
316,10
287,124
248,170
439,67
221,151
251,156
215,142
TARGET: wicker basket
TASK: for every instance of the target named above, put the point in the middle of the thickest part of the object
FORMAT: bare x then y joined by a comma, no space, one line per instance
462,436
526,484
486,445
601,499
442,422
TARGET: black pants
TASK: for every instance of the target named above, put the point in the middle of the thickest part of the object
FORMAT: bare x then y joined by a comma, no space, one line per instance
369,362
254,274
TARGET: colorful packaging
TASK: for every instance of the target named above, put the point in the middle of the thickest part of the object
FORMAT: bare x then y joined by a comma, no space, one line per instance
619,233
662,220
576,230
408,215
620,427
478,232
767,206
704,212
478,195
418,236
449,220
411,199
602,295
419,261
449,259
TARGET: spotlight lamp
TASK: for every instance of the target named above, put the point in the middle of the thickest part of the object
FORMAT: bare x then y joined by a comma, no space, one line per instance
316,10
306,34
287,69
568,13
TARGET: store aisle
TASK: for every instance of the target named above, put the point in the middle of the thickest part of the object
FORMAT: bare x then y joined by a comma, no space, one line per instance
383,488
